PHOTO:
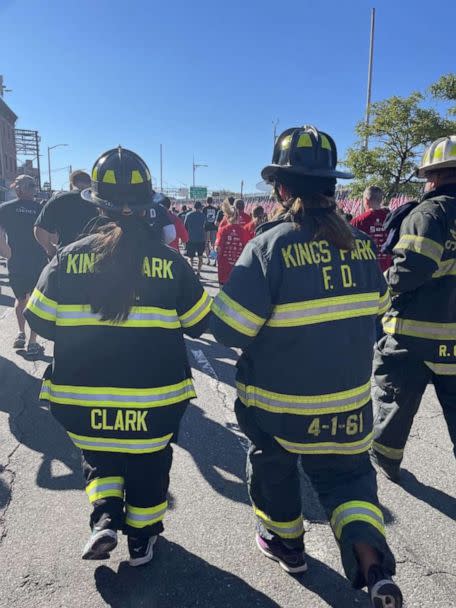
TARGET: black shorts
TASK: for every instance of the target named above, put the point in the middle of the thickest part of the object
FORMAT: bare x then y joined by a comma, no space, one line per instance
194,248
23,283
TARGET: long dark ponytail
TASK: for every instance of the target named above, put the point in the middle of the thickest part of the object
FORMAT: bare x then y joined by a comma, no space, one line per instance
119,247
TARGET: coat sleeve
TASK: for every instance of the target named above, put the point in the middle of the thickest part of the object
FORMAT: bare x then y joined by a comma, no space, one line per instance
193,305
41,310
241,309
417,254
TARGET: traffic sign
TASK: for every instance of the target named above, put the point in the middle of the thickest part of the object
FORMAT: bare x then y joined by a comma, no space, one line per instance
198,192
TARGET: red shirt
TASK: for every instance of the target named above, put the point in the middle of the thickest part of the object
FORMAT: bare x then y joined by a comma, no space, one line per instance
371,222
244,218
181,231
231,240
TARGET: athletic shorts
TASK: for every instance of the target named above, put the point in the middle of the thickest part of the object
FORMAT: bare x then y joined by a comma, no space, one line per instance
211,235
23,283
194,248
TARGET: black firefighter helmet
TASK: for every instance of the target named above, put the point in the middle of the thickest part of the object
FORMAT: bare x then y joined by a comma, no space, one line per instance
121,179
304,151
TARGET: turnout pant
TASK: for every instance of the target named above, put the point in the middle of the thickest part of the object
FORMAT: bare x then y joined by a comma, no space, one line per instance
346,486
128,491
401,380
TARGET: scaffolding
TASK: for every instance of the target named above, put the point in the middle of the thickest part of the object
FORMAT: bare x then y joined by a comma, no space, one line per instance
28,144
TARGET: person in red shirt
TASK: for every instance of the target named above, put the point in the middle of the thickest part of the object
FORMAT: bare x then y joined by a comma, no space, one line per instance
244,218
181,230
259,217
371,222
231,240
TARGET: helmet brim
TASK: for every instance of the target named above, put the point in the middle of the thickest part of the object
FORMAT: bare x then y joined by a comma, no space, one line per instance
89,195
271,171
446,164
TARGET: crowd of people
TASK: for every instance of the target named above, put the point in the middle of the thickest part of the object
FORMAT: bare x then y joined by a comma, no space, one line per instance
99,272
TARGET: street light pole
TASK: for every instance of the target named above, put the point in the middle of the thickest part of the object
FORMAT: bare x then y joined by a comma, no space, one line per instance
49,162
195,167
161,167
369,74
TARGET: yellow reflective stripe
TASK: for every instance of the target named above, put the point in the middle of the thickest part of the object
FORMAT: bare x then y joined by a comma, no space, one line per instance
356,510
392,453
236,316
139,517
442,369
419,329
108,396
42,306
136,177
104,487
197,312
129,446
327,447
447,268
279,403
284,529
324,309
109,177
95,174
78,315
325,143
421,245
385,303
305,141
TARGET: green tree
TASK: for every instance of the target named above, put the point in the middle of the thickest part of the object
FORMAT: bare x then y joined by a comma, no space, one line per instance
398,131
445,89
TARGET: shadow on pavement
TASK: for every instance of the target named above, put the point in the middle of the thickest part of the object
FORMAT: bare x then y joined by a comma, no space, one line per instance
435,498
176,578
217,453
331,586
217,355
33,426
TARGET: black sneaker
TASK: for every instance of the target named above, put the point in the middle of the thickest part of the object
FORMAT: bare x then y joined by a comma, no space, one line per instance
292,561
101,543
383,591
390,469
19,342
141,550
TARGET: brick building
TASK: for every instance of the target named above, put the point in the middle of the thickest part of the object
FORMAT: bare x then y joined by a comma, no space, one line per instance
8,163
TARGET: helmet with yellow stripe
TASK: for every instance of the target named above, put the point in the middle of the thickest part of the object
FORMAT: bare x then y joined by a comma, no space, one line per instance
304,151
121,179
441,154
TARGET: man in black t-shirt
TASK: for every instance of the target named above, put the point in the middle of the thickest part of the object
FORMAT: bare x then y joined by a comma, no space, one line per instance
25,257
65,216
195,222
210,215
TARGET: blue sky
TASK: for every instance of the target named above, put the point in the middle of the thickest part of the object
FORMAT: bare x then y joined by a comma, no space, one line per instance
208,78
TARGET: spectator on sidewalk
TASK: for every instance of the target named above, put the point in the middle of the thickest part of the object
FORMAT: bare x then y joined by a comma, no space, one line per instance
25,257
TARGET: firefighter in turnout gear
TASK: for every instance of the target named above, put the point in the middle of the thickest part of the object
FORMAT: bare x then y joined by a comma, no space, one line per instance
116,304
420,327
303,294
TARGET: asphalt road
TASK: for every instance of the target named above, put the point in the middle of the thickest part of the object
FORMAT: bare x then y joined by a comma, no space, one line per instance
207,556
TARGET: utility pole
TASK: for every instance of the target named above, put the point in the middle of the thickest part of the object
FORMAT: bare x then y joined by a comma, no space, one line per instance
369,74
49,162
37,143
242,187
195,167
161,167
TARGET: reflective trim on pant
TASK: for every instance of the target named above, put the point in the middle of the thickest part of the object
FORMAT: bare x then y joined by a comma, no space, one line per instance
385,303
384,450
343,401
328,447
140,517
127,446
105,487
284,529
356,511
109,396
447,268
